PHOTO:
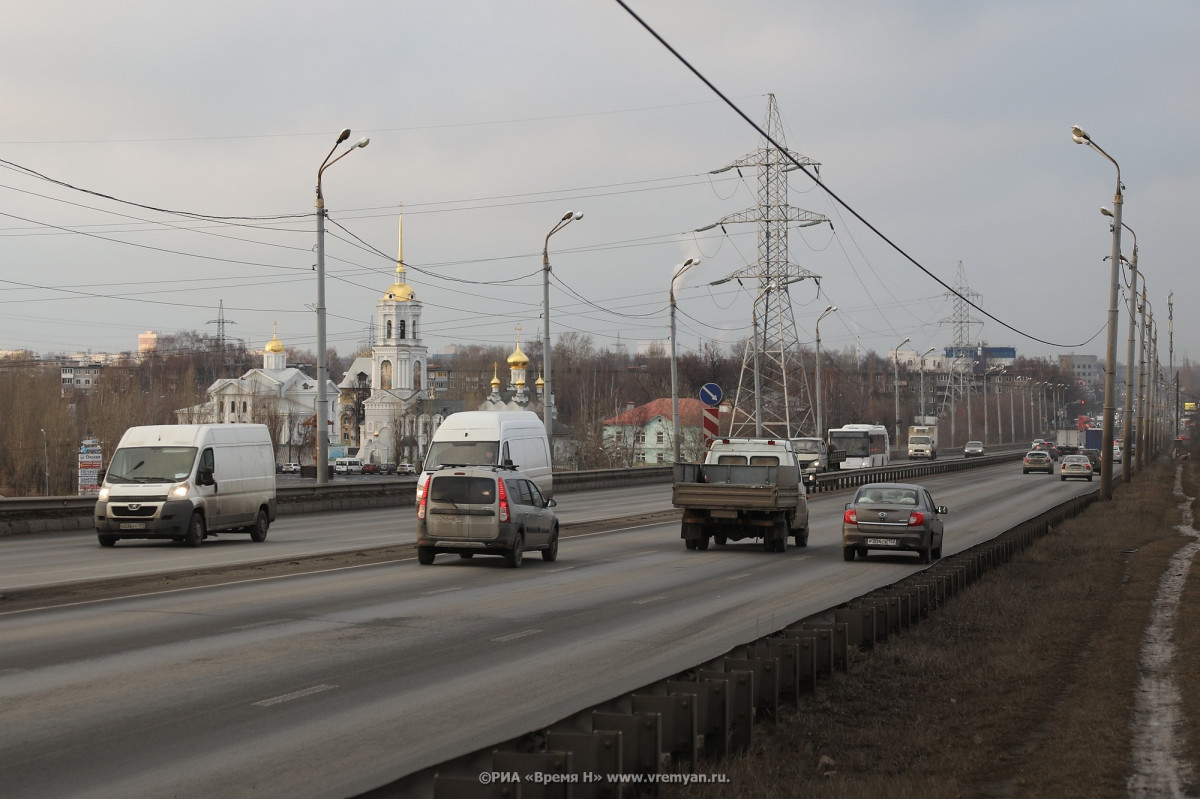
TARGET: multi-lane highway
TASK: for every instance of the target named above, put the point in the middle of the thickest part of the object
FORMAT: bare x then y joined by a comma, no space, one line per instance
332,683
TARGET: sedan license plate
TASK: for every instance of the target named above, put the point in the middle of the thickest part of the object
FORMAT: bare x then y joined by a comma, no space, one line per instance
133,525
881,542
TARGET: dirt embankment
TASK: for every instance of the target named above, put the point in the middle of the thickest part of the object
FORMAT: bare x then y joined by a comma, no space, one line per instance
1024,685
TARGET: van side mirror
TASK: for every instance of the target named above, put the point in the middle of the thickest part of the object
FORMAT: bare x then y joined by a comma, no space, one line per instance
204,477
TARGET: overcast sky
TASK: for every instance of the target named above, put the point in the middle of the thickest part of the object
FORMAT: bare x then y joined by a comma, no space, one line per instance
946,125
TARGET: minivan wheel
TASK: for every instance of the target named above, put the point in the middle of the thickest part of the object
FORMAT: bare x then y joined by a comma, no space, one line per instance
425,556
195,531
550,553
107,540
259,531
515,555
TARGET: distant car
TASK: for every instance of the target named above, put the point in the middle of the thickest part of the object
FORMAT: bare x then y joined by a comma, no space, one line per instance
1075,466
387,468
290,468
1050,448
895,517
1037,460
1037,443
405,468
1092,455
484,510
1117,453
973,449
370,468
1068,449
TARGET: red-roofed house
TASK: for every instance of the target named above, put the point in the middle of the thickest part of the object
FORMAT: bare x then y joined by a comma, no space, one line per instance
643,434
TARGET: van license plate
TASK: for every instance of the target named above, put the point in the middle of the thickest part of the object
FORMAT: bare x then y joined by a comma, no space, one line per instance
881,542
133,525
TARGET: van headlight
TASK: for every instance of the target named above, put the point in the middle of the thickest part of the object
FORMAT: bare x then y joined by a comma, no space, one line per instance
180,491
103,495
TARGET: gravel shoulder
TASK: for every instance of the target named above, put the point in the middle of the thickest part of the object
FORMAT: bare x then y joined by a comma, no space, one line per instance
1023,685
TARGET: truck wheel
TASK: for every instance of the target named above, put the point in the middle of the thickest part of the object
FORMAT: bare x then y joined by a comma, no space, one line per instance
719,540
516,555
801,537
690,543
106,540
702,543
195,531
259,531
425,555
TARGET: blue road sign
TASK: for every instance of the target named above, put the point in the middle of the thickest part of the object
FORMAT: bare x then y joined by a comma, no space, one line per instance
710,394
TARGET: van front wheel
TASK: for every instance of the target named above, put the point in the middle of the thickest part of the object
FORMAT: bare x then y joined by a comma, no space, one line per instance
259,531
195,531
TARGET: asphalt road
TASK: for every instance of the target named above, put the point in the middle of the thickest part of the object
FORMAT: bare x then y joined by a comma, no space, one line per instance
331,683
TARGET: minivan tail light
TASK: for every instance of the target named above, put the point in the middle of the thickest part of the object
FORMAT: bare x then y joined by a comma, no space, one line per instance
421,507
916,519
503,494
850,516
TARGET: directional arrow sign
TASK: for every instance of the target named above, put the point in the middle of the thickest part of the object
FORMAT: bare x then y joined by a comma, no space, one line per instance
710,394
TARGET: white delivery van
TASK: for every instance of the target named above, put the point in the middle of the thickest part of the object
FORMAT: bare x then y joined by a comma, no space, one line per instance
491,438
347,466
186,481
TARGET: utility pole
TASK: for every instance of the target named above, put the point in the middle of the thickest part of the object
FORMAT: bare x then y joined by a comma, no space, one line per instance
777,408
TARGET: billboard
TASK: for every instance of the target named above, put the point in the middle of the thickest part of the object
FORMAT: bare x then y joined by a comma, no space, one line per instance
91,461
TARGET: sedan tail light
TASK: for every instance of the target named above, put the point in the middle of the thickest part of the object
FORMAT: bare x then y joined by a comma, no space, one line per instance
916,519
850,516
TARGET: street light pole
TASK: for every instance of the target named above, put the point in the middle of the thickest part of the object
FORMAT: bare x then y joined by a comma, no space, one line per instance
688,264
1110,361
923,354
46,454
1127,414
322,414
547,392
820,431
896,385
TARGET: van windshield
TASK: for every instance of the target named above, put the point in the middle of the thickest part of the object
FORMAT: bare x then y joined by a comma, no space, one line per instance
807,445
150,464
462,453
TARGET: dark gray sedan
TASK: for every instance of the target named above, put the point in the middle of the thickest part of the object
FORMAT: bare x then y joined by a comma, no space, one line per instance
893,516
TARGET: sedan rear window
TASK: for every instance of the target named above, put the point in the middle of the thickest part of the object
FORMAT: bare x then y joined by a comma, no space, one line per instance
463,490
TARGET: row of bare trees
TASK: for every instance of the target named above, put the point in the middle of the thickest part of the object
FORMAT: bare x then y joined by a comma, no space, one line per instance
590,384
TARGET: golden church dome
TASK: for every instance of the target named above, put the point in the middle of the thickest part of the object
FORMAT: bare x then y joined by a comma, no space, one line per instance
400,291
518,359
495,379
275,345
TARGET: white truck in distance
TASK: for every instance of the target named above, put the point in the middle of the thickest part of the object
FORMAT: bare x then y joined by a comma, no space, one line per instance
922,442
813,455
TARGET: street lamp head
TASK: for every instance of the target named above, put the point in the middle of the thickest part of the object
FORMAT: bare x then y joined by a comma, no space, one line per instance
577,215
363,142
830,308
345,134
1105,211
1080,137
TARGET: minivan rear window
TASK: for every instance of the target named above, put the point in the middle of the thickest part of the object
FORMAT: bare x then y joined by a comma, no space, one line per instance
463,490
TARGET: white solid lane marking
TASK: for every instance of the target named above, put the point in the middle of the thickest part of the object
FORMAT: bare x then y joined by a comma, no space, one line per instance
515,636
316,689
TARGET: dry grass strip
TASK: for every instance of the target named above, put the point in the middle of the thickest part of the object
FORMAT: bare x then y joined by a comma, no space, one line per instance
1021,686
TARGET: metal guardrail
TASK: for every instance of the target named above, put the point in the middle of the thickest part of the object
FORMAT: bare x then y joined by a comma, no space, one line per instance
24,515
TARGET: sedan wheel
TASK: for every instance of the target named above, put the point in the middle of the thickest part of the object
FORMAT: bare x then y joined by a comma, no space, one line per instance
516,555
848,553
550,553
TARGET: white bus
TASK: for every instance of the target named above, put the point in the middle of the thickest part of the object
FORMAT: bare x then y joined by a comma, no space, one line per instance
865,445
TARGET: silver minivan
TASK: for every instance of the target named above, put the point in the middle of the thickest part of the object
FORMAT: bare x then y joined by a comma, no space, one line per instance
484,510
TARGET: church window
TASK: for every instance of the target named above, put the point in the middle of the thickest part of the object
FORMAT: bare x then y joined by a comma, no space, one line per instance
417,375
401,328
385,375
389,329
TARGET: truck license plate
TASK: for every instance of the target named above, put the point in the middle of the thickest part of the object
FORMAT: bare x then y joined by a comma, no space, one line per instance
133,525
881,542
